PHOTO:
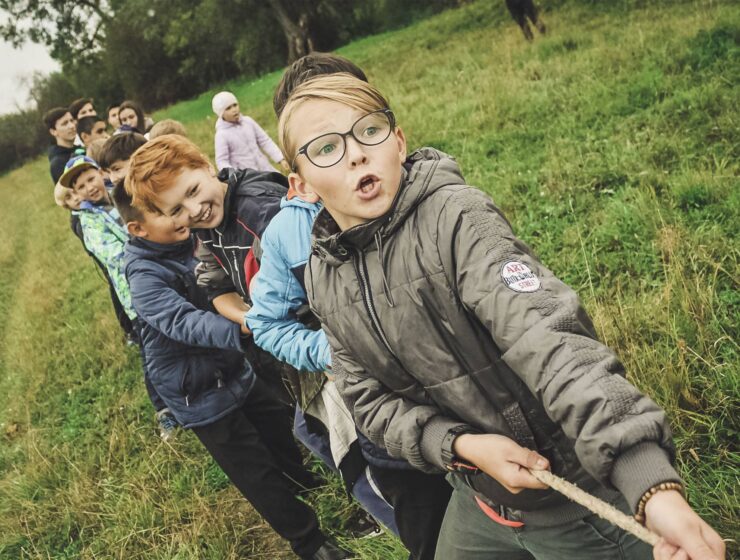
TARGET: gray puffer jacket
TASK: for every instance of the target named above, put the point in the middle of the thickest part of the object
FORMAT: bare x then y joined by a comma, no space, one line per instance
439,316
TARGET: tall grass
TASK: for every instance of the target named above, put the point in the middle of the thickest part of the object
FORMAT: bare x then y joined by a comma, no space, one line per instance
612,144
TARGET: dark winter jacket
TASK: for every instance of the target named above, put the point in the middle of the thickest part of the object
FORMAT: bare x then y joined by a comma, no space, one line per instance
193,356
439,316
58,157
228,261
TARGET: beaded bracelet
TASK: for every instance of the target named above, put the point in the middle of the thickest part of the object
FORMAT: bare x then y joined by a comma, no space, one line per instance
640,513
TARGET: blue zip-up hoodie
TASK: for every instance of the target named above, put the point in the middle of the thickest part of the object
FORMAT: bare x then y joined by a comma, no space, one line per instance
278,291
193,356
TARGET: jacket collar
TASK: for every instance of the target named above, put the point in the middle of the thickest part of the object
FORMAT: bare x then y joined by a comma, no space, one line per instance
221,124
235,179
295,201
145,248
100,207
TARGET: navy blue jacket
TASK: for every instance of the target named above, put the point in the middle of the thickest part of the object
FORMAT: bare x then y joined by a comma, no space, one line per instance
193,355
252,199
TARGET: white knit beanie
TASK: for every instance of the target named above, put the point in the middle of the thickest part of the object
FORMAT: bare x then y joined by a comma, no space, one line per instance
221,101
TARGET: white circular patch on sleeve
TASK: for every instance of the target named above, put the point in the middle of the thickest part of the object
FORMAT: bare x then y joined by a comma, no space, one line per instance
518,277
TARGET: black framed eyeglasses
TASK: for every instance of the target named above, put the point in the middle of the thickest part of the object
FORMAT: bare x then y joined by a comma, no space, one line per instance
329,149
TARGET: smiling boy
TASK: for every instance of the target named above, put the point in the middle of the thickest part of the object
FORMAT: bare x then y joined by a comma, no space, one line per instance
170,176
227,212
195,361
457,350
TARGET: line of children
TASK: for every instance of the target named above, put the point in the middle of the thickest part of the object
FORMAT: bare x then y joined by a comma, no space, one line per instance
453,347
245,427
62,127
81,189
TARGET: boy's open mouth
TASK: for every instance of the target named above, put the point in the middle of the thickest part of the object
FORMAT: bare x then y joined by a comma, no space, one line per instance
368,187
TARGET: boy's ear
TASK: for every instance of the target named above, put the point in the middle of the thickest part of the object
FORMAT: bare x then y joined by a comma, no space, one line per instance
302,188
401,140
136,229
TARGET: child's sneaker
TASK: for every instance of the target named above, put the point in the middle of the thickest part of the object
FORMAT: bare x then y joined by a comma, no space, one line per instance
363,526
167,424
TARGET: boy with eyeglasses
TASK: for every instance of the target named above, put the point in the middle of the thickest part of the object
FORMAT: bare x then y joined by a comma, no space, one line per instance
283,324
456,349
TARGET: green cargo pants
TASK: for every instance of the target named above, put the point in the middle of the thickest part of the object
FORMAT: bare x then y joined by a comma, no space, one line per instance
469,534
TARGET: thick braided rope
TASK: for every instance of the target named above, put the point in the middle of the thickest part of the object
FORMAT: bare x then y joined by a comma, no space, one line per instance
597,506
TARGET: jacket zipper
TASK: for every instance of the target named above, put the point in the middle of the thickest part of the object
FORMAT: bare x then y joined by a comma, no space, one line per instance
182,388
367,298
236,269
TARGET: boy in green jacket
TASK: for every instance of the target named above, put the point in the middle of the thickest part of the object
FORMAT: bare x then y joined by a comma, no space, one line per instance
81,189
456,349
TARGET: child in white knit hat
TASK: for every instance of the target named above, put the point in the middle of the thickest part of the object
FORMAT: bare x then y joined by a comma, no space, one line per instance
240,141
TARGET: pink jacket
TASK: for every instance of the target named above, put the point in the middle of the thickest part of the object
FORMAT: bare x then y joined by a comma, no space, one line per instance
243,145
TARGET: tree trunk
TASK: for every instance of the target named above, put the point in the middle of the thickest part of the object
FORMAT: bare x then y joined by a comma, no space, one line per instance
298,35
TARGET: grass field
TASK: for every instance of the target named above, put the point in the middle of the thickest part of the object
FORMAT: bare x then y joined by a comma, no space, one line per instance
613,146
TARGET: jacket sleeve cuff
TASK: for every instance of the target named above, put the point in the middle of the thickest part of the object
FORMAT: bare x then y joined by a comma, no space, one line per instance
640,468
326,356
431,439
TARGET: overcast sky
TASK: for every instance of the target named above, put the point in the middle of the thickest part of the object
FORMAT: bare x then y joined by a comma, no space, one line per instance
18,64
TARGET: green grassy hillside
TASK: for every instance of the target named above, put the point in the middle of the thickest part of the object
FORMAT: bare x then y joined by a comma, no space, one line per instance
612,144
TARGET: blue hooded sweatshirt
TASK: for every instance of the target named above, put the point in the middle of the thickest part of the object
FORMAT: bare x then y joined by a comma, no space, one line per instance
278,291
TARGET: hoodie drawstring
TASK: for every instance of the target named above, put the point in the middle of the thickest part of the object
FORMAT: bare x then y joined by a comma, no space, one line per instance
381,259
310,272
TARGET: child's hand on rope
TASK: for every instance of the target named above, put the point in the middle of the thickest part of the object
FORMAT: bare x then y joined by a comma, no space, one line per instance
685,536
503,459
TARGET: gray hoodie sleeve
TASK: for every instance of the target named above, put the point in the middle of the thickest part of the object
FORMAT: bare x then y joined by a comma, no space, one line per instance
621,436
404,428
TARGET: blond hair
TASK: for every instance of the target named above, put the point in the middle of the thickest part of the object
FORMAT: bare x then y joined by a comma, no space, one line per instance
167,126
62,196
95,148
342,88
